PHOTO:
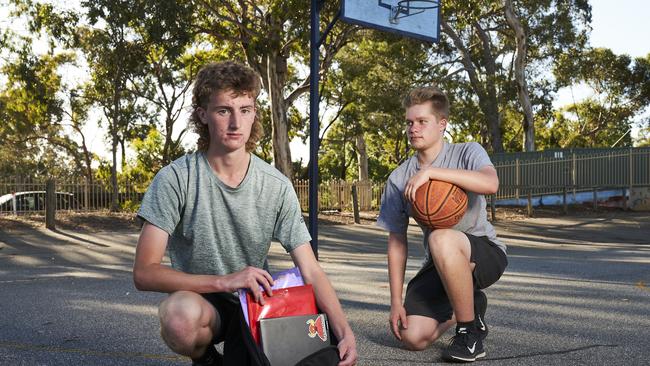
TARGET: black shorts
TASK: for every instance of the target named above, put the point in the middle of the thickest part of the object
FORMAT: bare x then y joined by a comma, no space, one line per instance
227,308
425,293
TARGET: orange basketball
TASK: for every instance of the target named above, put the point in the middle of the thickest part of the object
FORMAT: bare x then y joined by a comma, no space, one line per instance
439,205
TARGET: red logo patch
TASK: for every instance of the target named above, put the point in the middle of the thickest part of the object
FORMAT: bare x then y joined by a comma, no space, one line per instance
316,327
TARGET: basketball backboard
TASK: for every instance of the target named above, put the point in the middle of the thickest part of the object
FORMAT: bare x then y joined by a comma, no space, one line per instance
412,18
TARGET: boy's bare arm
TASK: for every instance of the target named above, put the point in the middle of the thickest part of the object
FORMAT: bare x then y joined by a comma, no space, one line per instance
482,181
149,274
327,301
397,255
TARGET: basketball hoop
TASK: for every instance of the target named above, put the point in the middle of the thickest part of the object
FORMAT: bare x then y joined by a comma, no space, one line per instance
411,18
419,4
407,8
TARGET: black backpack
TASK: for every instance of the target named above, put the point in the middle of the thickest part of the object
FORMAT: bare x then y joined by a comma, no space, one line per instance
240,348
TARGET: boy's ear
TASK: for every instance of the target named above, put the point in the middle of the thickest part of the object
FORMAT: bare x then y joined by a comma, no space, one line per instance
443,124
200,112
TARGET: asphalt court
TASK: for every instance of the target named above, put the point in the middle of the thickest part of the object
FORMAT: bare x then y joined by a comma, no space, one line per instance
575,293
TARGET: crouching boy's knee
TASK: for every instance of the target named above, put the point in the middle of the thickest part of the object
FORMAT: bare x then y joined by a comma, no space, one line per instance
415,341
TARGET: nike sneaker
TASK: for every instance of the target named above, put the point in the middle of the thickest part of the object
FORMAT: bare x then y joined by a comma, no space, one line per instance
465,346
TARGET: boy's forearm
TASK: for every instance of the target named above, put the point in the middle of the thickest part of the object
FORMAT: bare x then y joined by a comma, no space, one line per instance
397,255
161,278
328,302
483,181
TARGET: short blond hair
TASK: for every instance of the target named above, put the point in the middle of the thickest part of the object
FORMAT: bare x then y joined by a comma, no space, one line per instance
218,77
421,95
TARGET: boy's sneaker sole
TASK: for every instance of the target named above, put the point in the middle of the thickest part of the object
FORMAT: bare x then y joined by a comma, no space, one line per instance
463,359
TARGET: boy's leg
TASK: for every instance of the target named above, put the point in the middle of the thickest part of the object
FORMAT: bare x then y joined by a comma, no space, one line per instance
423,331
466,263
190,325
451,252
429,313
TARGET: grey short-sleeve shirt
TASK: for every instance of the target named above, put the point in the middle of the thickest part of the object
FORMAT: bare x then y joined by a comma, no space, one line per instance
217,229
395,209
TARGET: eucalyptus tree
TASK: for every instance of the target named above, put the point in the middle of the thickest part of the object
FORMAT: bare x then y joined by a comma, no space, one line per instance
115,53
370,78
168,69
478,40
621,94
32,110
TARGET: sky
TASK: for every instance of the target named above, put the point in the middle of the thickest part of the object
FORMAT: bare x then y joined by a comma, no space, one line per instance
620,25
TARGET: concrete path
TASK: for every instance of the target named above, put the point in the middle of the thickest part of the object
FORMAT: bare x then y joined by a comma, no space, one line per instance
575,293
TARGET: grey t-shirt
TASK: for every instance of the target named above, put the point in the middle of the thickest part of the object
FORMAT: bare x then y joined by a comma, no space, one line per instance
395,209
217,229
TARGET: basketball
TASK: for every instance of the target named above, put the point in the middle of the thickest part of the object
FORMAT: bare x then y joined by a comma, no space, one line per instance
439,205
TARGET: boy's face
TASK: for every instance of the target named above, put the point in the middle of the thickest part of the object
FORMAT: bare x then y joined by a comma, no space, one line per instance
424,129
229,118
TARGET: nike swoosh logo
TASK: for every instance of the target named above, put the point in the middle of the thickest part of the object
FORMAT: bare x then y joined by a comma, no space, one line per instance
482,325
472,348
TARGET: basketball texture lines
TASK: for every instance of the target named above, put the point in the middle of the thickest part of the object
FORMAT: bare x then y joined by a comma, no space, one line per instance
439,205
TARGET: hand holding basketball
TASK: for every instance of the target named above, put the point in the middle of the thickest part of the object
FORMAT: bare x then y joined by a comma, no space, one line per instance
415,182
438,204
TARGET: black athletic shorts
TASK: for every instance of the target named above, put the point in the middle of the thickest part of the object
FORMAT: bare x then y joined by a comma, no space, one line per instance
239,348
227,309
425,293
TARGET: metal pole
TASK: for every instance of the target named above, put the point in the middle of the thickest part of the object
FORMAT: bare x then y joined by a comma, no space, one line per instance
314,124
355,204
628,201
50,204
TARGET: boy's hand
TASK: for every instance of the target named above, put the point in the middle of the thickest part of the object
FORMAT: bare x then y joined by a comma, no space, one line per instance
347,351
397,319
251,278
415,182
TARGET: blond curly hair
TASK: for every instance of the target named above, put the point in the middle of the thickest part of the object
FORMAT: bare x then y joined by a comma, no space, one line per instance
224,76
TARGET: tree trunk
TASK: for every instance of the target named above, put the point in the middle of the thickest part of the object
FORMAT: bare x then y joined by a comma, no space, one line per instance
276,74
485,91
114,205
362,157
520,76
88,160
489,107
117,89
169,127
123,153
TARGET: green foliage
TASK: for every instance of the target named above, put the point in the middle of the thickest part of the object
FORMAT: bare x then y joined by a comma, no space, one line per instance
32,111
149,157
370,78
643,139
142,55
621,89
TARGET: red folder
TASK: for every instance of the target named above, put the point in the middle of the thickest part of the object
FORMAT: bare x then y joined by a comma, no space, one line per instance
290,301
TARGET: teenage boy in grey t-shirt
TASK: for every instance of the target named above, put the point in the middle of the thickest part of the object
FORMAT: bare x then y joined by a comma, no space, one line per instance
216,211
459,261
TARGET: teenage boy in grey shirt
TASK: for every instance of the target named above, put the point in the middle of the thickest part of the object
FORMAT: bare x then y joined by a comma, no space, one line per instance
459,261
216,211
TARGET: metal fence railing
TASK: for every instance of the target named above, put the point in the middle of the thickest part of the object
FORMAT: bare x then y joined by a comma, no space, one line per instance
546,174
23,196
337,195
619,169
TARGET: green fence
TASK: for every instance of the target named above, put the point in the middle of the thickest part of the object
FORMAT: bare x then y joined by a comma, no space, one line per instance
573,170
535,173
